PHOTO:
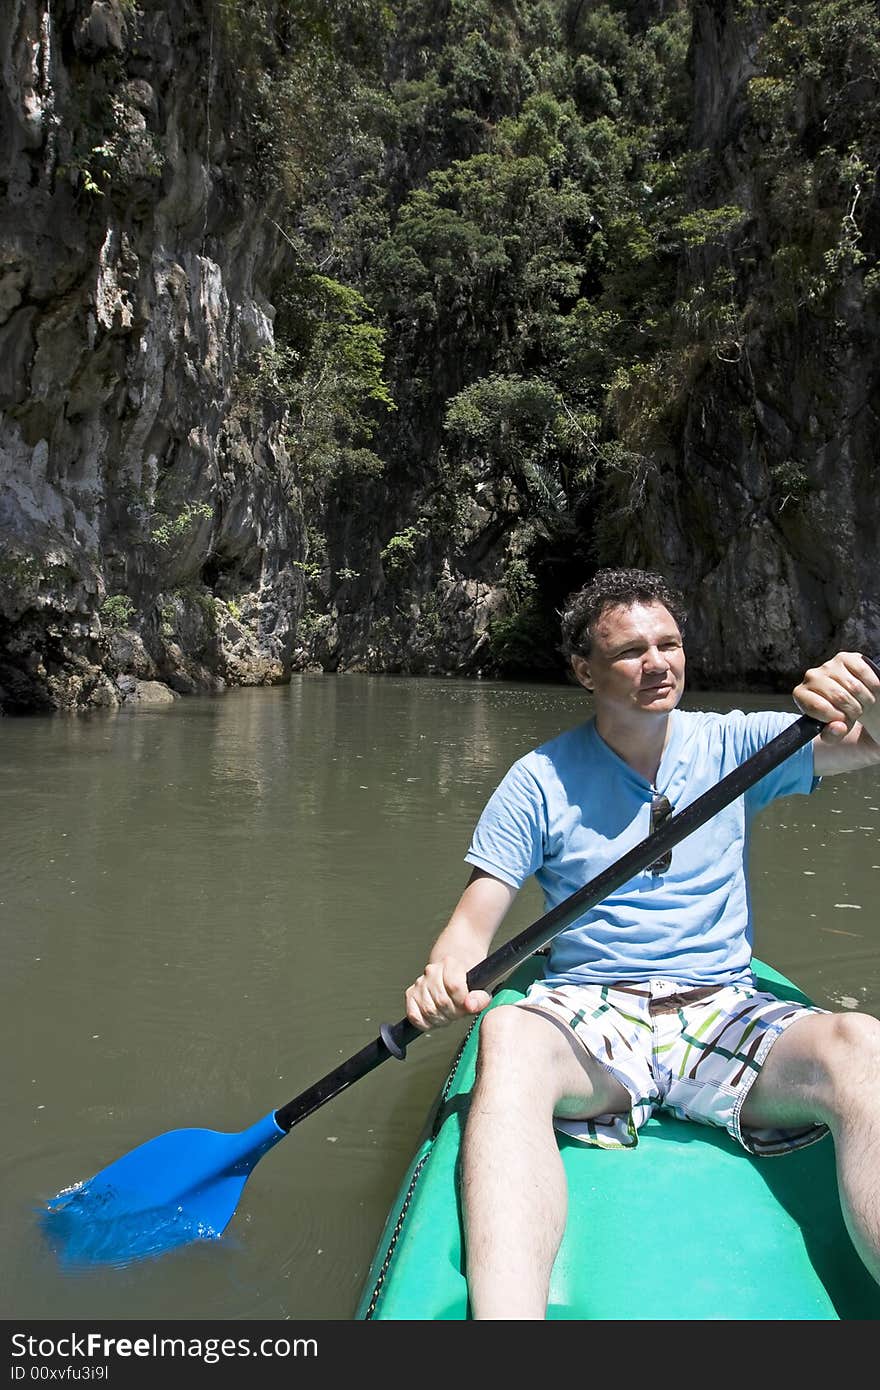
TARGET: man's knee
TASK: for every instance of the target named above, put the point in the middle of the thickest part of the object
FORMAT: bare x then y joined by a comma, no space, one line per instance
500,1029
851,1048
510,1067
514,1039
845,1061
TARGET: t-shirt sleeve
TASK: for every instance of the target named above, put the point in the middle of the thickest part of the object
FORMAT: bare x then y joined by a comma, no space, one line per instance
510,835
793,775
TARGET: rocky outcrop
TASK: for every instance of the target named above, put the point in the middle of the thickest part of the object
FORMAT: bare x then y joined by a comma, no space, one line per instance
762,500
148,519
153,525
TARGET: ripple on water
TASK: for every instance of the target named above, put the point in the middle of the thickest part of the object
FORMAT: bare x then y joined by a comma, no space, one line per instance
80,1235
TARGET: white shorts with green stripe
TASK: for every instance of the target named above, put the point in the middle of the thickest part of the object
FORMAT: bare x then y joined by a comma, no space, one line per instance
694,1052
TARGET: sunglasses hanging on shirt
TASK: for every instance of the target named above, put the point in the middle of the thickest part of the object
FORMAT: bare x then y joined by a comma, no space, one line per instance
661,810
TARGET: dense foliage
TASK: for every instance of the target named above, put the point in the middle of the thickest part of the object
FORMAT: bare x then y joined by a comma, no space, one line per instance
510,261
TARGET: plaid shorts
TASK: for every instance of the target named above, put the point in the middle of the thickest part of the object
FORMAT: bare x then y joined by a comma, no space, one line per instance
693,1052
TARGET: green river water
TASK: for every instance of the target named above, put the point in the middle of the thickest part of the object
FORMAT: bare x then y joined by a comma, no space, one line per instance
206,907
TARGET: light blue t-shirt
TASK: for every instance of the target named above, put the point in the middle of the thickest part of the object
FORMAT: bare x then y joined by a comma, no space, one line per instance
571,808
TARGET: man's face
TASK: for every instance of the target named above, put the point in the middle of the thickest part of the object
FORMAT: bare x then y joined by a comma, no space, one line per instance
636,660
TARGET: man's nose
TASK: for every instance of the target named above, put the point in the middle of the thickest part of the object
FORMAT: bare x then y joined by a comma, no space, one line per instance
655,660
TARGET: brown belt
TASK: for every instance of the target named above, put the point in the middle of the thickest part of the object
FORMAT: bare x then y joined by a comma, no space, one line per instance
671,1003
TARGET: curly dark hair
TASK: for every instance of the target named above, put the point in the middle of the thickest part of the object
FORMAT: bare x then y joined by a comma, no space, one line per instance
612,589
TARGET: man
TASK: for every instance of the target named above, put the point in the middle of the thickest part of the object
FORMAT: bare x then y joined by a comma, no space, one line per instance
569,1056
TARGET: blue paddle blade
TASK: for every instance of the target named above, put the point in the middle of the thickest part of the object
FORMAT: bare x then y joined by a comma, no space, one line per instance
181,1187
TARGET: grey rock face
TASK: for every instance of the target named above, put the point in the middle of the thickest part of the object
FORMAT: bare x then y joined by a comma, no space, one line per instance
151,521
763,503
137,490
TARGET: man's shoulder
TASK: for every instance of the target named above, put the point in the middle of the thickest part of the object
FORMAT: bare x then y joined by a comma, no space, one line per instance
534,771
571,744
692,723
725,734
695,720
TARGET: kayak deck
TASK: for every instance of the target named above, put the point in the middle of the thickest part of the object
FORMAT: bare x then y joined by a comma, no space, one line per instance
685,1226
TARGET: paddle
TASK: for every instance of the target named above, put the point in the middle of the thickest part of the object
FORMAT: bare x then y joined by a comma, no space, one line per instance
185,1185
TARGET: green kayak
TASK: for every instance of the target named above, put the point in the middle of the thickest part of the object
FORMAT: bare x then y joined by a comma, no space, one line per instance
685,1226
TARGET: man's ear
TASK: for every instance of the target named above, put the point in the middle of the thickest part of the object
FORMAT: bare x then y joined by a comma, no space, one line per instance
581,667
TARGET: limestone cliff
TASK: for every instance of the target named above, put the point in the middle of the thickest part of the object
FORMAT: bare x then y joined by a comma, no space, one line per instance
683,378
763,498
147,518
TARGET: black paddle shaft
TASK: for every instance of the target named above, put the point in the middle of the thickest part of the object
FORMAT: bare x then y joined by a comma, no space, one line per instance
394,1038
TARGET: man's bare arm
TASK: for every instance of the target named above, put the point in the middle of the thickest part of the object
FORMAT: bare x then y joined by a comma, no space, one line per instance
441,994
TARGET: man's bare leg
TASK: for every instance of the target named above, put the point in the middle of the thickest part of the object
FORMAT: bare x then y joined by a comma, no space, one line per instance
514,1187
827,1067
